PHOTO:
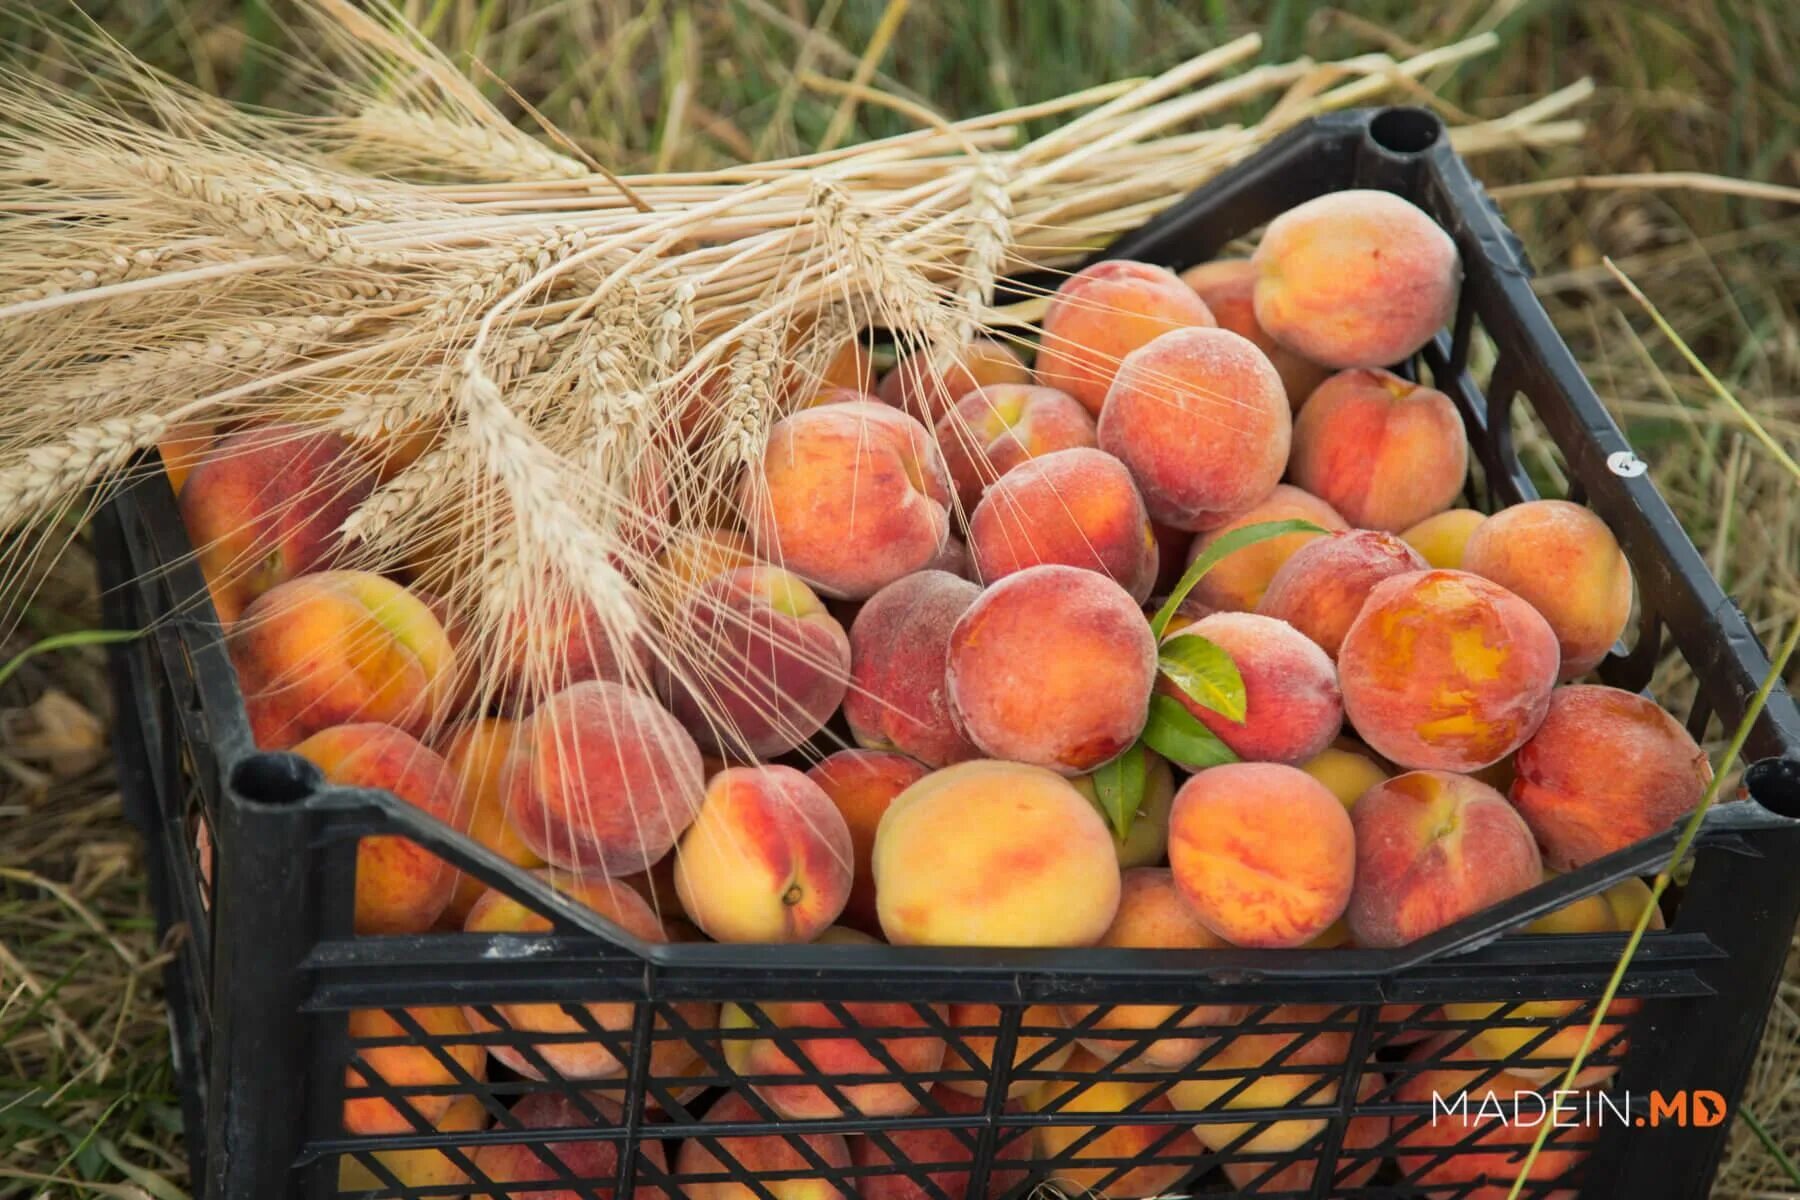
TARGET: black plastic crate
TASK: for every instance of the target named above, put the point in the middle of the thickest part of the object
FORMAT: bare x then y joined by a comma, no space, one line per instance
267,969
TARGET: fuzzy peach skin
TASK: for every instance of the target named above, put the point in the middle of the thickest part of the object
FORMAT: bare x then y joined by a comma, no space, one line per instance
763,1064
763,664
1133,1160
1323,586
408,1062
994,854
1153,915
602,780
1355,278
476,753
336,647
1077,507
993,429
848,496
1200,418
561,641
899,694
1297,1036
1052,666
862,783
792,1174
943,1148
1101,314
1228,285
1361,1135
595,1161
1292,708
1384,452
419,1168
1566,563
1237,582
768,859
925,383
1263,853
1447,671
401,887
263,506
183,448
1607,768
692,557
1346,773
1147,842
1442,537
1041,1046
1431,849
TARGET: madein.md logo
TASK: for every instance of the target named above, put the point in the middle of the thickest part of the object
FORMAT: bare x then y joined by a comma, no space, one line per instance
1697,1108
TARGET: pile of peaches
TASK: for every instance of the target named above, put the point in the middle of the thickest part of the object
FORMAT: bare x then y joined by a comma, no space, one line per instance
1173,639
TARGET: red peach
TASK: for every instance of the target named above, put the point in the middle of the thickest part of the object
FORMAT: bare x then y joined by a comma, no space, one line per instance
928,381
1228,285
1237,582
899,695
951,1151
1292,708
993,429
1385,452
862,783
595,1162
1101,314
773,1159
1321,588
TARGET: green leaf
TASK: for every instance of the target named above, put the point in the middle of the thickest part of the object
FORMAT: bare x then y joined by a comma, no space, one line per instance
1119,787
1228,543
1203,670
1177,735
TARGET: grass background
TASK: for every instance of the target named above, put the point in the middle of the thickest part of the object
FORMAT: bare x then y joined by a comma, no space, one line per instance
86,1095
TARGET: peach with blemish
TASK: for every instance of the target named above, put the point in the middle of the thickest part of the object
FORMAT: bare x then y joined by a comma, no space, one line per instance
993,429
1237,582
1385,452
899,693
1101,314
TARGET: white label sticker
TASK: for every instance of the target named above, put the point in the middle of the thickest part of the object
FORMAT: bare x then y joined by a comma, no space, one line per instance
1625,464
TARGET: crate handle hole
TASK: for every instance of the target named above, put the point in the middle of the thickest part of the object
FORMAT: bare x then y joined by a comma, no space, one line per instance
275,778
1406,130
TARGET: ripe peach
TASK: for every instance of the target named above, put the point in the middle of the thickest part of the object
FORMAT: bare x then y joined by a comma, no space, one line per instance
1346,773
1269,1060
1292,709
404,1060
1564,561
769,858
774,1159
1615,910
1130,1160
1148,840
1237,582
1322,587
1384,452
899,695
1200,418
1154,915
1040,1047
765,664
595,1162
263,506
476,753
602,779
1361,1135
849,369
1605,769
1052,666
1077,507
848,496
562,640
1263,853
946,1149
928,381
335,647
184,447
1447,671
1228,285
1441,538
401,887
862,783
692,557
419,1168
1431,849
993,429
1355,278
1101,314
994,854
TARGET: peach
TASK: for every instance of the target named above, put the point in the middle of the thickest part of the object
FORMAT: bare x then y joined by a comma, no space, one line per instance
419,1048
1228,285
1040,1047
1127,1160
849,369
1263,853
1148,839
773,1159
862,783
185,446
476,753
419,1168
1442,537
1447,671
928,381
1607,768
1346,773
848,496
1321,588
1564,561
263,506
1077,507
561,640
1263,1066
1356,278
1431,849
1101,314
1292,709
692,557
401,887
602,779
1539,1038
769,858
1615,910
765,664
1237,582
1153,915
556,1054
1052,666
993,429
594,1162
994,854
336,647
1355,1164
1384,452
1199,417
763,1062
953,559
950,1152
899,694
